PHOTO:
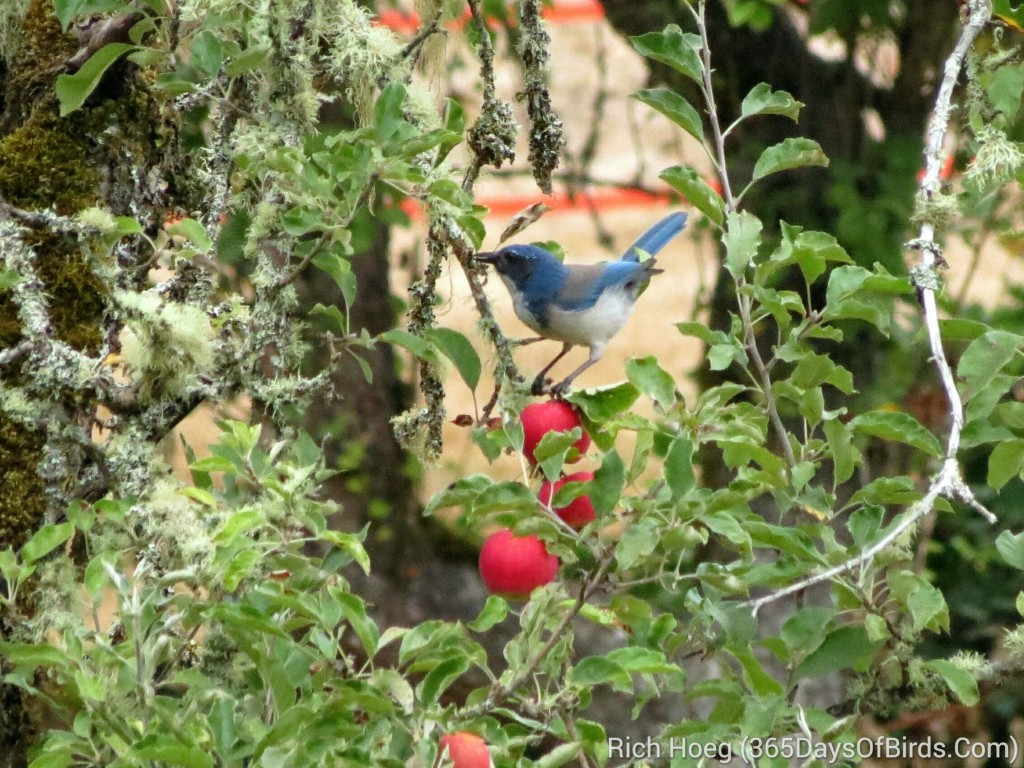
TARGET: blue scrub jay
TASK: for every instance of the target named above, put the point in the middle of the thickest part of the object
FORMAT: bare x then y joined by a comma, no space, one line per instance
578,304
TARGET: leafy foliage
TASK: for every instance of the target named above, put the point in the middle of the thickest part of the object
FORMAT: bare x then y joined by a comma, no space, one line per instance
233,644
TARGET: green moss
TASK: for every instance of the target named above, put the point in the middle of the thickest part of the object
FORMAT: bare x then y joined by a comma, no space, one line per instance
22,498
43,47
46,161
77,295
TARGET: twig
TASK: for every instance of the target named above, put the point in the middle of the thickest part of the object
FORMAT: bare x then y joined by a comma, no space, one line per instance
15,353
743,300
501,692
421,37
292,276
948,481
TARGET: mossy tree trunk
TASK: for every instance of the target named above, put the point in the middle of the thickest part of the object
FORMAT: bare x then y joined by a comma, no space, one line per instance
118,153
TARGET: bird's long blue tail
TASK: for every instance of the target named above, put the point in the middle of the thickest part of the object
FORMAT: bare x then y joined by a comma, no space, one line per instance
657,237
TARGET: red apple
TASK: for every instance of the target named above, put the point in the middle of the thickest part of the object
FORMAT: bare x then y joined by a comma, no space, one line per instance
579,511
516,565
465,750
551,416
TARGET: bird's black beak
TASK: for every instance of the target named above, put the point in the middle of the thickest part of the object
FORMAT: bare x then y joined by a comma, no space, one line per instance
487,257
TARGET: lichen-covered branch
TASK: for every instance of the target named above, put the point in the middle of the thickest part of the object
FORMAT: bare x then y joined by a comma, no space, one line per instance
948,481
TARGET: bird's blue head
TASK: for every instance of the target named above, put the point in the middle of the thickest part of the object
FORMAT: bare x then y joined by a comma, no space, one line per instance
521,264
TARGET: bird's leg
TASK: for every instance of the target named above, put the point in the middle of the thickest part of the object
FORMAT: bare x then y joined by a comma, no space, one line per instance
538,383
563,386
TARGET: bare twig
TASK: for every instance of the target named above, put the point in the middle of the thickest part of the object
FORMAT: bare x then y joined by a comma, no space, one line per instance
743,300
948,481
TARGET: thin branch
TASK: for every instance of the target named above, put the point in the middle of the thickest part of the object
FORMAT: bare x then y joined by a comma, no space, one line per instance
421,37
980,13
292,276
948,481
743,300
499,693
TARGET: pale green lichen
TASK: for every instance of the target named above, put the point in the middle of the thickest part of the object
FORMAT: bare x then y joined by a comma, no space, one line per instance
940,210
176,524
998,159
11,13
98,219
165,344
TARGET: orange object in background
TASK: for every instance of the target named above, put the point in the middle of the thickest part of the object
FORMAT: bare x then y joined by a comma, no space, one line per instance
562,12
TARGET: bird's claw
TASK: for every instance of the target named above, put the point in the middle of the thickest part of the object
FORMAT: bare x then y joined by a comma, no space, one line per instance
539,386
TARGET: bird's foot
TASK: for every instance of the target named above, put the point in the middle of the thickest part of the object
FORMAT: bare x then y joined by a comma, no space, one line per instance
539,386
559,389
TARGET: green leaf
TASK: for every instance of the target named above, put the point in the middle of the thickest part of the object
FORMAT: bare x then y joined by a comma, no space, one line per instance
696,191
162,747
864,523
840,444
597,670
675,108
559,756
673,48
1005,462
606,487
30,656
757,680
418,346
45,540
762,100
1004,91
960,681
1007,12
67,10
900,427
741,240
455,128
649,377
1011,548
985,357
805,630
388,116
678,468
354,610
192,231
249,59
603,403
456,347
340,270
73,90
638,541
843,648
441,677
791,153
928,608
221,718
494,612
207,53
336,320
813,250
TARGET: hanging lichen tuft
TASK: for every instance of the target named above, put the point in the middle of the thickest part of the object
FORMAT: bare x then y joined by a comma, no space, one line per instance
546,137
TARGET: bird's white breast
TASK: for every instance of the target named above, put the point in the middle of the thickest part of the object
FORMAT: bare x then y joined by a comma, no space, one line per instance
594,326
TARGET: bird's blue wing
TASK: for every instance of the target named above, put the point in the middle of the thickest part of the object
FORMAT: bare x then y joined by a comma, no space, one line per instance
584,283
657,237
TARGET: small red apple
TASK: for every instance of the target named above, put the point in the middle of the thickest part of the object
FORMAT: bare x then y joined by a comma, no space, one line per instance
579,511
465,750
551,416
516,565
